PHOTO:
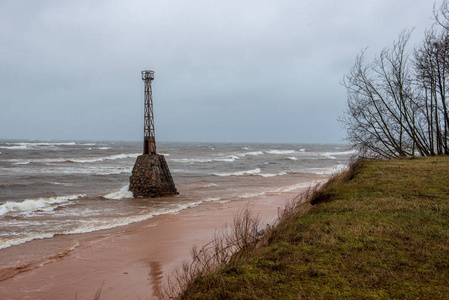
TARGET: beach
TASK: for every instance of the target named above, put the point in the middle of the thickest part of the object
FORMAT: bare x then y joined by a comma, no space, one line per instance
130,262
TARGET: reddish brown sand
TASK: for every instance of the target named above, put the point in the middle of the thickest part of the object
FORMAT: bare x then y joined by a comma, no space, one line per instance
128,262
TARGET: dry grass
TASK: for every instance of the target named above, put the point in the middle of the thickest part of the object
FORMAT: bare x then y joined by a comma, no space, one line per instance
227,246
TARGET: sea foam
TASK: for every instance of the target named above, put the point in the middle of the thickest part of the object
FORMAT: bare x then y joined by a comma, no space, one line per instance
123,193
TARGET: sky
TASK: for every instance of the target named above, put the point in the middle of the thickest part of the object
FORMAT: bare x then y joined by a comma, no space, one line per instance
225,71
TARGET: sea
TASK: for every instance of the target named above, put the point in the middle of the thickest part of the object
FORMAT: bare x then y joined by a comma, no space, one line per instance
50,188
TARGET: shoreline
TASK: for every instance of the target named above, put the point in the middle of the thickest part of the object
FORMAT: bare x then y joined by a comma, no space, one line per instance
128,262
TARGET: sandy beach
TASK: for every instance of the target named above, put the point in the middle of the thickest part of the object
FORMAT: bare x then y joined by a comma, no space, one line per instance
128,262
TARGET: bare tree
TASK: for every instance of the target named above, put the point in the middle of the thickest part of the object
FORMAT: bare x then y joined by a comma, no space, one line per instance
378,96
432,76
397,104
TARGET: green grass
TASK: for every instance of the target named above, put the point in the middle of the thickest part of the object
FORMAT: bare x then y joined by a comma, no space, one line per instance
381,231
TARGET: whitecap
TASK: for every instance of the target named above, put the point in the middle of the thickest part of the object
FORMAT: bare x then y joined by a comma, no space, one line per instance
239,173
349,152
273,174
230,158
328,155
22,163
280,151
100,159
34,204
291,158
251,195
252,153
23,147
33,145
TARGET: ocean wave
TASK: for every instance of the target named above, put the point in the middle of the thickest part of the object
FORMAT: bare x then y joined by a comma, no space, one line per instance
72,160
280,151
239,173
328,155
32,145
36,204
251,195
349,152
22,163
252,153
213,199
61,183
230,158
276,191
326,171
210,185
100,224
291,158
38,161
14,147
6,243
282,189
293,187
272,174
100,159
123,193
90,170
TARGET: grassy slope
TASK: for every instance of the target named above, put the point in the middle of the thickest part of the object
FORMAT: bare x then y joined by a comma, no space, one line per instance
384,234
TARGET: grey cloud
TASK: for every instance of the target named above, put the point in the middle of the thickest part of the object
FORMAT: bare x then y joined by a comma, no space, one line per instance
265,71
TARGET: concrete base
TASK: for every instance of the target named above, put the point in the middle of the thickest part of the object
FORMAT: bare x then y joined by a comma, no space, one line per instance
151,177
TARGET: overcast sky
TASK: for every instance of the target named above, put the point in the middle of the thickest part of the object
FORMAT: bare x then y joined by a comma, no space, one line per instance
225,71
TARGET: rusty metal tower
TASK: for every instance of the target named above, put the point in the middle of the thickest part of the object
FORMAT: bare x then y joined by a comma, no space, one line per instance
150,176
149,140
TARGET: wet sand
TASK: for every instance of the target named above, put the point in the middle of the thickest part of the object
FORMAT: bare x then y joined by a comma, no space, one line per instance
129,262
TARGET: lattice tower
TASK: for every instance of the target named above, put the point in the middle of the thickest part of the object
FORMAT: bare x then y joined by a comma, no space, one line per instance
149,140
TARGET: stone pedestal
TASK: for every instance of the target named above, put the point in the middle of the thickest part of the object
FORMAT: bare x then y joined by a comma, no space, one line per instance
151,177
